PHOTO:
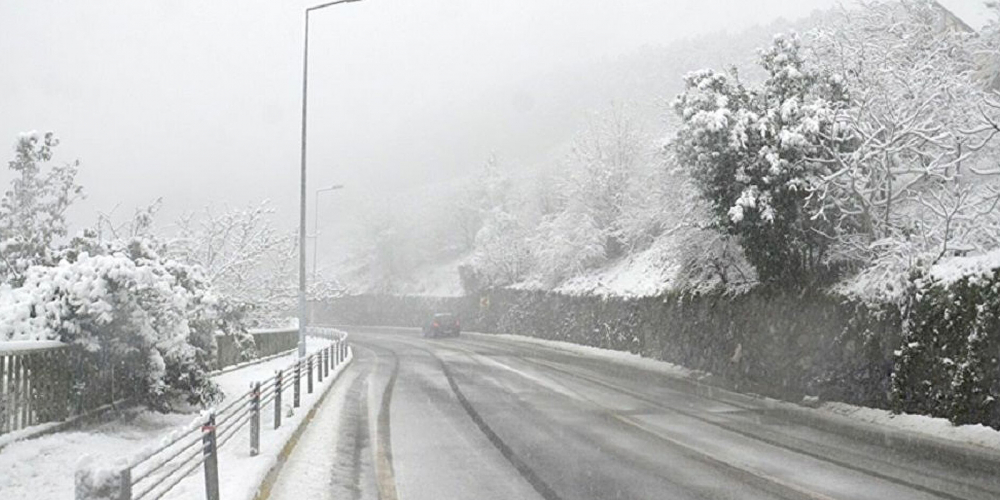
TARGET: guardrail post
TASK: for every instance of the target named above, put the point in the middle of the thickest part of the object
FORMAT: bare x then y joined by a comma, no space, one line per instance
278,379
255,420
326,362
298,380
319,367
309,374
125,491
211,459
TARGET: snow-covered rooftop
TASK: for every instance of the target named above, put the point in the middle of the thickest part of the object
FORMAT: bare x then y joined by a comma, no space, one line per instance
974,13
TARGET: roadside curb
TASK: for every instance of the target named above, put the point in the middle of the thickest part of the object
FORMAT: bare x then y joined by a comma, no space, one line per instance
264,489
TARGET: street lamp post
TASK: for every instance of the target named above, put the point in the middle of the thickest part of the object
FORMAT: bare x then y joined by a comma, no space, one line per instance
302,189
316,223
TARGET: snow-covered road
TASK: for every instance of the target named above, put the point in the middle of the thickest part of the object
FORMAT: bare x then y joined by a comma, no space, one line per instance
490,418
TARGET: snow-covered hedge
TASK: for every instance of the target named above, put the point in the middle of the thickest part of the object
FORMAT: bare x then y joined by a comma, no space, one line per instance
127,306
949,363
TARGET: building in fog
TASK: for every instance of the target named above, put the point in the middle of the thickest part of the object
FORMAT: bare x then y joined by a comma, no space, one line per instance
973,16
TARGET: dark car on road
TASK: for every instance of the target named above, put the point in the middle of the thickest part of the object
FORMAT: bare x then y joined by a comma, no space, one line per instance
443,325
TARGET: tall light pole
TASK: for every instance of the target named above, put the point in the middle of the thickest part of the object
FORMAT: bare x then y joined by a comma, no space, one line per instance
302,190
316,223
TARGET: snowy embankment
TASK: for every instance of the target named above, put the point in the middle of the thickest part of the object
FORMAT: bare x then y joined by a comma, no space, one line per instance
976,436
43,468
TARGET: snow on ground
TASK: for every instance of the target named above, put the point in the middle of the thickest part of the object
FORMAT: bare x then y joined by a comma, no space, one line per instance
647,273
644,274
940,428
322,461
978,435
42,468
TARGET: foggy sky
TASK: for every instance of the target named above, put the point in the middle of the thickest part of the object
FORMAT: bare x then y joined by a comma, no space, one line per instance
198,102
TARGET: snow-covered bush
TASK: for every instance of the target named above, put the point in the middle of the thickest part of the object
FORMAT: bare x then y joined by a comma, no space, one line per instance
127,306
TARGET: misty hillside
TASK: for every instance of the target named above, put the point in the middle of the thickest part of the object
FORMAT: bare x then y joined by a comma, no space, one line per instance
533,131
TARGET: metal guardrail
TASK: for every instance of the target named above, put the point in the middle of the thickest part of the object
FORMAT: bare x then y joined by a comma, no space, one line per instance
153,473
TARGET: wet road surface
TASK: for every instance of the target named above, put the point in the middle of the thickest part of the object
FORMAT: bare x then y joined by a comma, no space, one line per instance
481,417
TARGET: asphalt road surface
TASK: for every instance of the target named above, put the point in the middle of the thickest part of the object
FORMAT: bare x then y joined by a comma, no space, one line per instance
489,418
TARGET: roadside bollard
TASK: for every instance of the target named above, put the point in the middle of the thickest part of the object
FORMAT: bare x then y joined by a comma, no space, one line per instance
277,399
211,458
298,379
309,374
255,420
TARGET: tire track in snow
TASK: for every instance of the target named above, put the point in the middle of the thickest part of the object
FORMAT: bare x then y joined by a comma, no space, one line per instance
384,472
347,470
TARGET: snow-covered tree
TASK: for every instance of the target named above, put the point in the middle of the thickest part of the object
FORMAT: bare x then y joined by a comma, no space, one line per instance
502,255
605,161
757,152
920,181
32,211
245,257
606,200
